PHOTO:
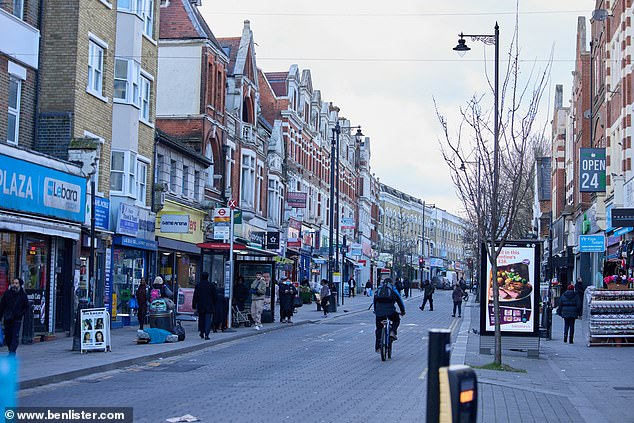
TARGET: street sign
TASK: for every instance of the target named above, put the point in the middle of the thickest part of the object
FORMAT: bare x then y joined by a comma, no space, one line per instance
272,240
592,170
232,204
591,243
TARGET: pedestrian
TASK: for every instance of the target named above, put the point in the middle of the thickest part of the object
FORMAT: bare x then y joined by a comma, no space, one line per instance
324,295
257,291
13,306
240,293
287,292
428,295
399,285
142,302
569,308
463,284
406,287
352,285
579,290
203,302
456,296
368,288
219,318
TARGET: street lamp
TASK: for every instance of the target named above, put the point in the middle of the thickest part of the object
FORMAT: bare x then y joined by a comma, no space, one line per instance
334,186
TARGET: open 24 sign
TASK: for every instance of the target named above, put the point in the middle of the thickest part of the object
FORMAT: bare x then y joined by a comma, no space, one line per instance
592,170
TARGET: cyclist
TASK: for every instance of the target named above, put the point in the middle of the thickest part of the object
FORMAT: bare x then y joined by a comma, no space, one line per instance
384,298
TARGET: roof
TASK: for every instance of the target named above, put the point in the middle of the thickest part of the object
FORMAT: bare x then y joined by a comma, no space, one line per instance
277,80
163,138
231,46
180,19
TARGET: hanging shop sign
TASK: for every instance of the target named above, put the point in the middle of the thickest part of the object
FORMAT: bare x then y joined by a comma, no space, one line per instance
518,279
296,200
591,243
28,187
355,249
592,170
347,223
294,229
272,240
128,220
622,217
102,213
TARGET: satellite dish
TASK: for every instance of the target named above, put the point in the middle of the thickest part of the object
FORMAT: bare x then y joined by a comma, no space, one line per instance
600,14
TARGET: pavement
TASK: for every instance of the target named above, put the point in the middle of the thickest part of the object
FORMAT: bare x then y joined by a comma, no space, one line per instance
574,383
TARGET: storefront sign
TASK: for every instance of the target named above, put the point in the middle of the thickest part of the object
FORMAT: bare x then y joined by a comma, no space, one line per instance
95,329
128,220
436,262
257,237
518,281
622,217
143,244
107,289
28,187
174,223
294,228
347,223
272,240
591,243
296,200
592,170
102,213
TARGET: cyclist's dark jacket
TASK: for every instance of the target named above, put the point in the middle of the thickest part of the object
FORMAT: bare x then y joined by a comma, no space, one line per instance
383,309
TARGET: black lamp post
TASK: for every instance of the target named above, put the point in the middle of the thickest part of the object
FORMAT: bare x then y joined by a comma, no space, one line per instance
333,261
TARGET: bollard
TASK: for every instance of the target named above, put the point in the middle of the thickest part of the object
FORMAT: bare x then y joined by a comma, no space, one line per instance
438,356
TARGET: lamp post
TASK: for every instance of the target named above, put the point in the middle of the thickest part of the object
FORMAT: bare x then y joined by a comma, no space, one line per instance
333,261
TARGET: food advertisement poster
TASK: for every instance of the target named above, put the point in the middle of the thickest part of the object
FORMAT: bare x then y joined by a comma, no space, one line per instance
518,288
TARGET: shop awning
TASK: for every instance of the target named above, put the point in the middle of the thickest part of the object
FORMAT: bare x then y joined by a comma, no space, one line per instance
220,246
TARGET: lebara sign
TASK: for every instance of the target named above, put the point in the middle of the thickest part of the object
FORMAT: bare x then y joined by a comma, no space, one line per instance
29,187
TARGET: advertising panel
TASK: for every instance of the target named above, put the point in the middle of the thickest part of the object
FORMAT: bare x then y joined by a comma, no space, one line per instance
28,187
518,282
591,243
95,329
592,170
296,199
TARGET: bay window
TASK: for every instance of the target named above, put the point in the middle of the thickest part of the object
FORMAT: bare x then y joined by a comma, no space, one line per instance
247,179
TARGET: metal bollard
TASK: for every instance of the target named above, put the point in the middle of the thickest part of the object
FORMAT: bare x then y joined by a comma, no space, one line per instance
28,329
438,356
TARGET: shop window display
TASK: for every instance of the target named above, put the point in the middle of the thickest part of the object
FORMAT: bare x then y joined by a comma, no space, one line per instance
129,268
7,260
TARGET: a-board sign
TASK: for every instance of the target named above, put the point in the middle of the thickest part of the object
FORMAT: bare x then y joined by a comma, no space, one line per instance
95,329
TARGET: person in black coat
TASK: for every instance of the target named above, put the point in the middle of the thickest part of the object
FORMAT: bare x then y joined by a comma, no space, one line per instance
579,290
221,308
240,293
287,292
204,302
569,308
13,306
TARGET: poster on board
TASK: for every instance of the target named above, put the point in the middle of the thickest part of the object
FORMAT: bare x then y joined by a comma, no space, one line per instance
95,330
518,288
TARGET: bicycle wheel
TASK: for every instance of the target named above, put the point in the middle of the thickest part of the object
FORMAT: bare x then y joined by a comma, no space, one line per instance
383,345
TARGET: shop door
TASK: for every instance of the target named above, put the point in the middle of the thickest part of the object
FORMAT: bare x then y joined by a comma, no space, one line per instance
99,280
64,287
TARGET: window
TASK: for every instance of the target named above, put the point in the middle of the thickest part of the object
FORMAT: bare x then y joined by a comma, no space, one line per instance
185,181
141,182
259,187
95,68
197,186
173,170
210,170
149,18
145,99
126,81
247,180
15,88
18,9
131,166
276,198
117,171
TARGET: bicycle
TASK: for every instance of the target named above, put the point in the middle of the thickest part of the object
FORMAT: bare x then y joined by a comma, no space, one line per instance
386,340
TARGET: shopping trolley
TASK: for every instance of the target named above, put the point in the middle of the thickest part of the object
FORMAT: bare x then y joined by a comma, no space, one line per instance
239,317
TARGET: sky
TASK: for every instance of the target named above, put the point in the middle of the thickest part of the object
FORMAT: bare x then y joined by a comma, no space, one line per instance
384,63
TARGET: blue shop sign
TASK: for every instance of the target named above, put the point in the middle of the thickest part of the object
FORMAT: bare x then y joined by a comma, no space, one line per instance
591,243
140,243
33,188
102,213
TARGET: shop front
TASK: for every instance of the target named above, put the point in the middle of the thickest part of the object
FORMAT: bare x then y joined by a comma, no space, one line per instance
42,206
179,229
131,258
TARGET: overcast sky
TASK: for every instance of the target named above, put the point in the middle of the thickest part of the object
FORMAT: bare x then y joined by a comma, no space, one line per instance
383,62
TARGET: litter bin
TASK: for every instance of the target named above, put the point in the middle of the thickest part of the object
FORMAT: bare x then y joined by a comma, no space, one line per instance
332,304
162,320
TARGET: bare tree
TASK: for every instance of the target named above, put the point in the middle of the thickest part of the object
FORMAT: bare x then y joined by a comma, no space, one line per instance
400,240
495,209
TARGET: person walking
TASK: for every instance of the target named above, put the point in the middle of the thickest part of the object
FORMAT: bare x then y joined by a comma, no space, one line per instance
13,306
406,287
368,288
204,301
142,297
221,310
324,295
352,285
258,289
286,291
240,293
569,308
428,295
579,290
456,296
398,285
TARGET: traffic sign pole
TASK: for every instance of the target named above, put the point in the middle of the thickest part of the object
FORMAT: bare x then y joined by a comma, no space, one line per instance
232,206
